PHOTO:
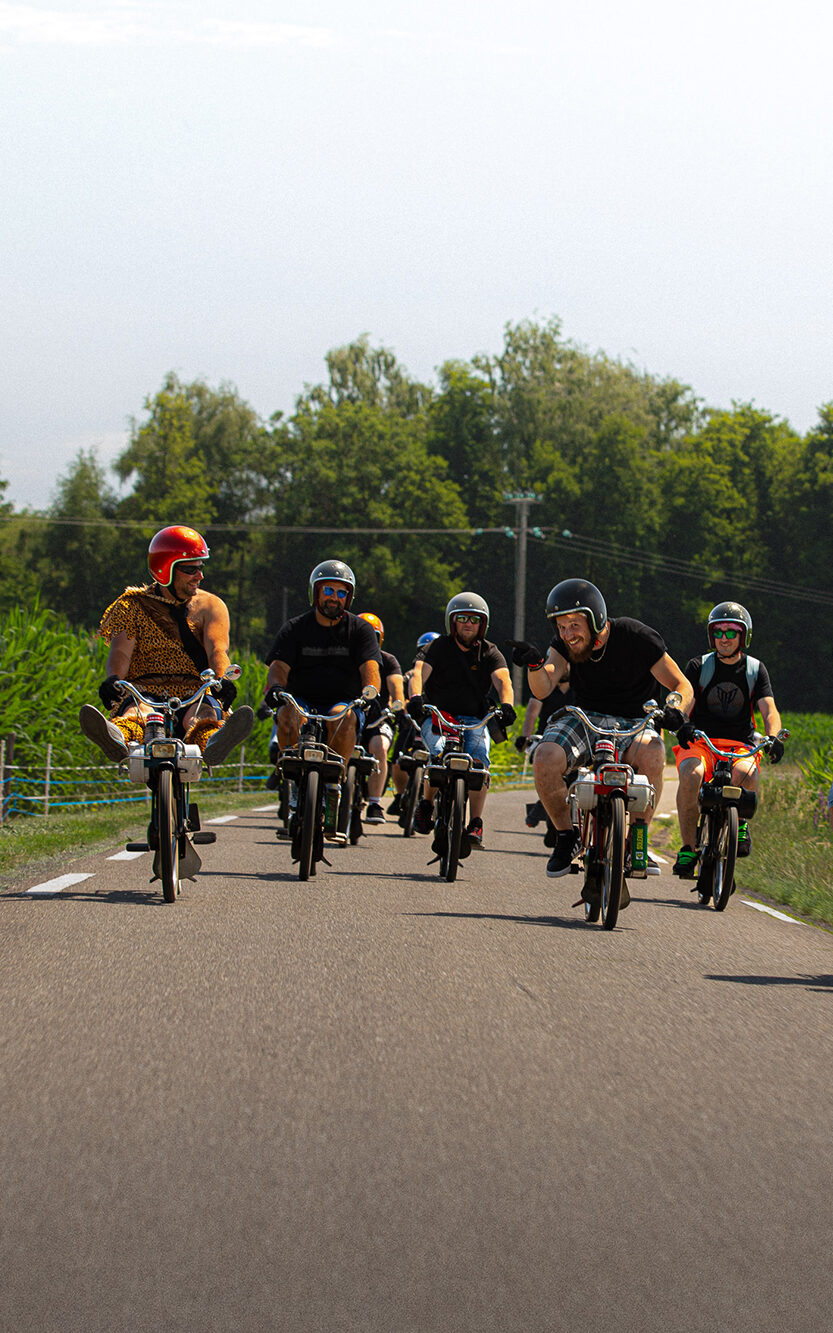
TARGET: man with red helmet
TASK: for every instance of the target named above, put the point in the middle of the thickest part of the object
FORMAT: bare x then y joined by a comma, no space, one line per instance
728,686
161,636
324,659
378,731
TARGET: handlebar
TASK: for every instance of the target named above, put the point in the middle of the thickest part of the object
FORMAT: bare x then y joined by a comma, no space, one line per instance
174,703
287,698
654,716
764,744
464,726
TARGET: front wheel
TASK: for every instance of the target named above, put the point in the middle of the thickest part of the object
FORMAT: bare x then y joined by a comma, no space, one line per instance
345,805
456,820
726,851
411,800
611,832
308,813
168,834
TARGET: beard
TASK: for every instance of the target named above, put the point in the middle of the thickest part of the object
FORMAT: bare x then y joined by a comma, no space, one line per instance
332,610
578,654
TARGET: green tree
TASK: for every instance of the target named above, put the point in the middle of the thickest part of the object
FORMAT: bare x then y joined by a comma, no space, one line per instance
84,556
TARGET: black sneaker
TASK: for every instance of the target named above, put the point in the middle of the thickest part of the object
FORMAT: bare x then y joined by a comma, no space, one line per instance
424,817
475,832
551,834
374,813
686,863
566,845
395,807
534,814
744,839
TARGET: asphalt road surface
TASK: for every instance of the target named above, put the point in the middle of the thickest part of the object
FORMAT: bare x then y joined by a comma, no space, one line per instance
379,1102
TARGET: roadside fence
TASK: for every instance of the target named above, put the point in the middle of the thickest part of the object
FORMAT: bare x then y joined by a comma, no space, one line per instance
43,787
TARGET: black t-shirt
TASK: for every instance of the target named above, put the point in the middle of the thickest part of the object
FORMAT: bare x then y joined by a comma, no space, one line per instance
460,679
324,663
390,667
618,682
724,708
552,704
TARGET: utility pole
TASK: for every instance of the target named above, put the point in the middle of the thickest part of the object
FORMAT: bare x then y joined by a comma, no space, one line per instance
522,501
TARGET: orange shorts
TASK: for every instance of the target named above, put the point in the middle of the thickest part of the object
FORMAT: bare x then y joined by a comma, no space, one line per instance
697,750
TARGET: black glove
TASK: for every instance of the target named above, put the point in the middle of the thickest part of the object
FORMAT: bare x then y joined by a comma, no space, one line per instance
107,692
271,698
525,654
225,691
672,719
507,714
685,734
374,710
416,707
521,742
776,750
263,712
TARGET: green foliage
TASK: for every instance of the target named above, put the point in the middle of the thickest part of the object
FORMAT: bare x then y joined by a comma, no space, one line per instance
792,857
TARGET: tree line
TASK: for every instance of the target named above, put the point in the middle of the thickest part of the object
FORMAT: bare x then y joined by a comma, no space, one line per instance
666,504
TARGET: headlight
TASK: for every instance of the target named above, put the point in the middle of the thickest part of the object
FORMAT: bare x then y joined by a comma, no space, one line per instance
163,749
312,755
459,761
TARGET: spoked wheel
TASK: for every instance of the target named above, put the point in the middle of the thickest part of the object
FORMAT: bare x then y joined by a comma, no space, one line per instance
168,833
356,829
308,813
726,852
345,804
456,821
611,833
411,800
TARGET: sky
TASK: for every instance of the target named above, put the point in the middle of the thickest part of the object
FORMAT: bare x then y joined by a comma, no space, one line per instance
229,190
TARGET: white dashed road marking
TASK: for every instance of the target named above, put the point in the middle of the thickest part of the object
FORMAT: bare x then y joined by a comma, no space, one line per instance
782,916
52,886
264,809
125,856
221,819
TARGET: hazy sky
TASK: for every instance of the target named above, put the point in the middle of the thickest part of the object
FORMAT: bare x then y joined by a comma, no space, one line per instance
230,189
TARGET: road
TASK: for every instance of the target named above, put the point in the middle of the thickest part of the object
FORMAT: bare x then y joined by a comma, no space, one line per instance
380,1102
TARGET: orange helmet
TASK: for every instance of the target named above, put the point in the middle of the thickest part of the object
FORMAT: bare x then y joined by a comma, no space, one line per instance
376,623
169,547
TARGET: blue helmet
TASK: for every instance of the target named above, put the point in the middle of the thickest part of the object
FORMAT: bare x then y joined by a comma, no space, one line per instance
429,637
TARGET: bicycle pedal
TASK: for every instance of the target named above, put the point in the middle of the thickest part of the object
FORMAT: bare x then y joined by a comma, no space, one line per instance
340,839
137,847
203,837
575,868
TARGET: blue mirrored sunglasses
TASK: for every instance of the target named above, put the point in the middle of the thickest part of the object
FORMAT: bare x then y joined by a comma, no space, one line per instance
340,593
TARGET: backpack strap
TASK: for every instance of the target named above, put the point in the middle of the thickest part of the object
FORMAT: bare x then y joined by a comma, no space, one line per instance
706,672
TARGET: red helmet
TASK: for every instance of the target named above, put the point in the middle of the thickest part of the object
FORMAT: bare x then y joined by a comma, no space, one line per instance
376,623
169,547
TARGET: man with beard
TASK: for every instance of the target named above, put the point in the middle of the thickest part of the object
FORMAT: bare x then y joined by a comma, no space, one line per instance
614,666
161,636
324,659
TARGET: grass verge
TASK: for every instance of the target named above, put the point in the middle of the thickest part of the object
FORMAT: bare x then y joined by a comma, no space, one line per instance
34,845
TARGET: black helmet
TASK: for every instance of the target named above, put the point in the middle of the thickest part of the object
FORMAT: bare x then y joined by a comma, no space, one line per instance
473,604
578,595
332,569
731,613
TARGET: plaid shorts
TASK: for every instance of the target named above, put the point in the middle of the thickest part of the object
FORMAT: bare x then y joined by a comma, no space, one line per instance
569,733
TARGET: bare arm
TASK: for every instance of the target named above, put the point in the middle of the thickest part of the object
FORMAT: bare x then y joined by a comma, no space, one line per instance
120,655
669,674
278,674
370,674
396,687
770,715
216,633
533,712
502,682
555,669
422,670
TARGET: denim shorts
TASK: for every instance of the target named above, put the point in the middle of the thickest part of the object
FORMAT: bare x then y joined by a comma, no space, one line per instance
475,743
568,732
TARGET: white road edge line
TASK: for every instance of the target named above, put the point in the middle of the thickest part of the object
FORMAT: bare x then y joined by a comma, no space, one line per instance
52,886
125,856
782,916
264,809
221,819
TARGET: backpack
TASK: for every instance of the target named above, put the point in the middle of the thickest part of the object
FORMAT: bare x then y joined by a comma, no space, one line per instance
707,667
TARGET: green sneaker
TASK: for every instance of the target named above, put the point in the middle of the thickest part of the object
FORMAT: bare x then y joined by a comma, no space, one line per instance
686,863
744,839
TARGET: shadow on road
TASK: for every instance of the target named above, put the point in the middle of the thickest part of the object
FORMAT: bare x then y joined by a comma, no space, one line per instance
822,983
562,922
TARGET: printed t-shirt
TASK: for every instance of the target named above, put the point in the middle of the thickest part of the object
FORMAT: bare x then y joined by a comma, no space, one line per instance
460,679
724,708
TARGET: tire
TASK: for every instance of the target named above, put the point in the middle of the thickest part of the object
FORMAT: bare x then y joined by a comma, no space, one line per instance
725,858
168,834
412,793
309,814
456,820
611,833
345,804
705,868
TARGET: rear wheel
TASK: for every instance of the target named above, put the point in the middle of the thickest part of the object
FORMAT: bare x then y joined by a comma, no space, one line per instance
308,813
725,857
345,805
611,832
456,820
168,834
